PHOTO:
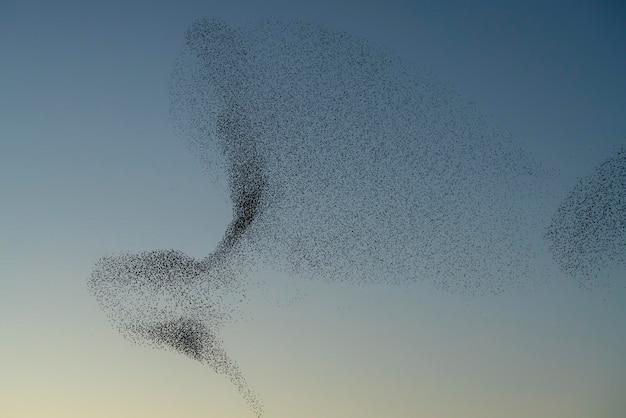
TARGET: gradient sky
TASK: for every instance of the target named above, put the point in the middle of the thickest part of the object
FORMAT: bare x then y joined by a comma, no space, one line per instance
90,165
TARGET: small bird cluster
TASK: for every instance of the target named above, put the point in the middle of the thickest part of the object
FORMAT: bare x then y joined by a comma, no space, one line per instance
166,299
588,232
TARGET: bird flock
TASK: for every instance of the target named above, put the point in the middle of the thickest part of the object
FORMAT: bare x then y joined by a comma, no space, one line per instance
344,164
588,231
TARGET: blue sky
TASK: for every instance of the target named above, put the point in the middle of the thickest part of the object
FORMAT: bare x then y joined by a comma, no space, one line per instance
90,165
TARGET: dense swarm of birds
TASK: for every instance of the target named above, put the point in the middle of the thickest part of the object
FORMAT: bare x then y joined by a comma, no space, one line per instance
344,165
341,164
588,232
166,299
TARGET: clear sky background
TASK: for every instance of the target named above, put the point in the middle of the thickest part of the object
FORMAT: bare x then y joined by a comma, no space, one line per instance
90,165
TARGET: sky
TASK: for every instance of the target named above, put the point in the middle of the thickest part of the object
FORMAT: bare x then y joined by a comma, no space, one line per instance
90,164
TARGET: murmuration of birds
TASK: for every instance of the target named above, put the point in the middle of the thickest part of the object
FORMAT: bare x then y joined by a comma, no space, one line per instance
343,164
166,299
587,234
